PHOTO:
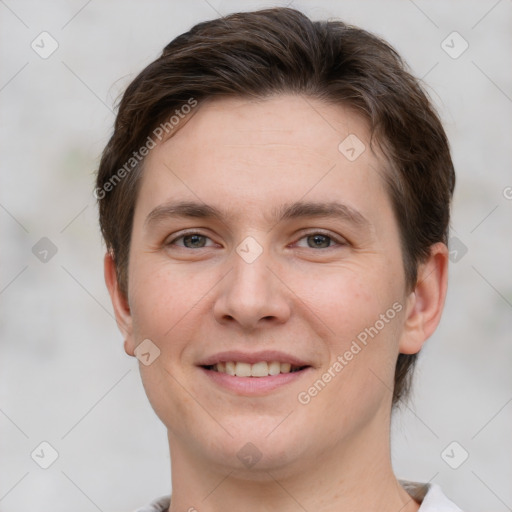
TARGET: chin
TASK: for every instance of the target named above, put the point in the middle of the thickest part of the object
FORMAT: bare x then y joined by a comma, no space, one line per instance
251,454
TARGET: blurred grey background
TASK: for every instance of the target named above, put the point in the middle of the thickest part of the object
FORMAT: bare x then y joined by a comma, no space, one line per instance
65,379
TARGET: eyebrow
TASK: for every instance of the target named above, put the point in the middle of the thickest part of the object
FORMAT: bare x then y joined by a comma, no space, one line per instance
299,209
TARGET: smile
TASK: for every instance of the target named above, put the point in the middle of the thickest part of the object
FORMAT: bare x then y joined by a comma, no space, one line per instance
260,369
253,373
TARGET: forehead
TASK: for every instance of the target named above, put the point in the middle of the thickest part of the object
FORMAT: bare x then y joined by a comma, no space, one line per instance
248,154
306,126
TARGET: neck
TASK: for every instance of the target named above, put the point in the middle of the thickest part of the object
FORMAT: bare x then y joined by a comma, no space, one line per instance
355,475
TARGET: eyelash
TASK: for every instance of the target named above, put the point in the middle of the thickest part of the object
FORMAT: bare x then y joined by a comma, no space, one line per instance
339,241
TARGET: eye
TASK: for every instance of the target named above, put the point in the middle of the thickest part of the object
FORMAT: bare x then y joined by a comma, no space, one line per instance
190,240
321,241
315,240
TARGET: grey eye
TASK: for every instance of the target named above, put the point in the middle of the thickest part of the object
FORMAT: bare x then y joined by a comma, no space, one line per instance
318,241
194,241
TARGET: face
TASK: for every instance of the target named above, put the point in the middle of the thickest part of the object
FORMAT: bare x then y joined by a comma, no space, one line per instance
265,267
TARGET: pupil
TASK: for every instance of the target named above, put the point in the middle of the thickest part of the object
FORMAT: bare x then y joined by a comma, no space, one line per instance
320,241
195,240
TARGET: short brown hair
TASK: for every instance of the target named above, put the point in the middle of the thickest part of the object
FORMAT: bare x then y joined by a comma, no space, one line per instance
280,50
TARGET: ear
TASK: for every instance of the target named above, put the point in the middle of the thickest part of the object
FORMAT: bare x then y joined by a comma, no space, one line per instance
425,303
120,303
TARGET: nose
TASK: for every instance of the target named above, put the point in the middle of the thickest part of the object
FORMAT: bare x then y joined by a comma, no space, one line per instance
251,295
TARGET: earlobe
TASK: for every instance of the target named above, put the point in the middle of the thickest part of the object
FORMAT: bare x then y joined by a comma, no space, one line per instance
425,303
119,302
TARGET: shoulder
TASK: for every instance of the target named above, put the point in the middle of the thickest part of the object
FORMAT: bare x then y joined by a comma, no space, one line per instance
430,496
159,505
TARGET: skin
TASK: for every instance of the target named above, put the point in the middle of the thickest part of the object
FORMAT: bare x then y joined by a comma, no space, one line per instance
247,158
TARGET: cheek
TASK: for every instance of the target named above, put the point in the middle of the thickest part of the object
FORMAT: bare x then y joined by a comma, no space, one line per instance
160,300
362,315
175,408
347,300
162,297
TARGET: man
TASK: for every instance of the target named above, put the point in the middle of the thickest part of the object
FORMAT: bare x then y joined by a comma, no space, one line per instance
275,202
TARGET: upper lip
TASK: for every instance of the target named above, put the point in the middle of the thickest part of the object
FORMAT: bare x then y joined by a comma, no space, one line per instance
252,358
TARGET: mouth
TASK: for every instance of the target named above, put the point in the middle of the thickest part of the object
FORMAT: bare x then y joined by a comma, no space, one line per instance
259,369
253,374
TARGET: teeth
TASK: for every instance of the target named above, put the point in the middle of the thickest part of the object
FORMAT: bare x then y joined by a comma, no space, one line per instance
230,368
274,368
285,367
260,369
243,370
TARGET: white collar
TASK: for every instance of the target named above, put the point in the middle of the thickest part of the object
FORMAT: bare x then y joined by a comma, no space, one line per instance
430,496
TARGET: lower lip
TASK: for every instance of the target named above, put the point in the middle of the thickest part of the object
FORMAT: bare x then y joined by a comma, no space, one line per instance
253,385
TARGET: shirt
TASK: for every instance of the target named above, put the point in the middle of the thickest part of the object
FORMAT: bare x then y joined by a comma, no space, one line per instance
430,496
